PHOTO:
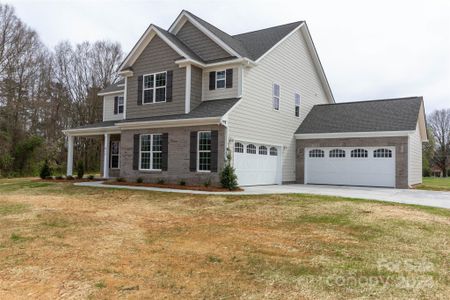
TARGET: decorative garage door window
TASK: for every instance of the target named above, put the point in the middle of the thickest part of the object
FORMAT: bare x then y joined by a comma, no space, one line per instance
382,153
262,150
251,149
273,151
361,153
238,148
337,153
316,153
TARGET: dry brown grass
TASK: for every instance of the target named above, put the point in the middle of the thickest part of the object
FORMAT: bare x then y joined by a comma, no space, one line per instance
62,241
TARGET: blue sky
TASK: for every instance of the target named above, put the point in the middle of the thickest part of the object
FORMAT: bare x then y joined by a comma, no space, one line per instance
369,50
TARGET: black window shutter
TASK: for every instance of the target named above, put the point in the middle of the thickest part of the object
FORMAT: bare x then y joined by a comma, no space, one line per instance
214,150
229,82
165,151
212,81
116,105
136,152
193,152
169,80
139,96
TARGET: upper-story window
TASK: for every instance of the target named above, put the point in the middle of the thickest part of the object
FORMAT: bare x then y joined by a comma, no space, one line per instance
221,79
154,88
120,105
276,96
297,104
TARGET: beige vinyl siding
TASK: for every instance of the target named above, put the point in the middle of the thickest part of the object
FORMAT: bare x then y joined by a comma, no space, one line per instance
156,57
201,44
220,93
415,158
108,108
291,66
196,87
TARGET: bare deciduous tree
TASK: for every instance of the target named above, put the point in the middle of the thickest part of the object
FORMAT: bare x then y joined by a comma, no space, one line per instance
439,123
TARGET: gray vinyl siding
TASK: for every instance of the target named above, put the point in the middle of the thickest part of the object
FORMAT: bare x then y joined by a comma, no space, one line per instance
224,93
202,45
156,57
196,87
108,108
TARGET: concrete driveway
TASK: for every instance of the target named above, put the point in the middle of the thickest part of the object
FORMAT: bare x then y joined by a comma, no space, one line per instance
419,197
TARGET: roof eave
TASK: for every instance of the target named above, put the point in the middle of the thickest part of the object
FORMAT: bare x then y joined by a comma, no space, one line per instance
368,134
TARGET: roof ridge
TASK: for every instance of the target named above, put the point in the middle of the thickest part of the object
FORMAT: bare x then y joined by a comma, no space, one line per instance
372,100
253,31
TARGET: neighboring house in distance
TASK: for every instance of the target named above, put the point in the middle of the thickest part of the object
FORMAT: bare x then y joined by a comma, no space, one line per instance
194,91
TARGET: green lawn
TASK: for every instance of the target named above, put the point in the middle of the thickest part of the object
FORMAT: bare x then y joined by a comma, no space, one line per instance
62,241
435,183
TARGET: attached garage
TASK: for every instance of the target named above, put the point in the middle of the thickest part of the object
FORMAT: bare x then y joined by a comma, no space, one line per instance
257,164
367,143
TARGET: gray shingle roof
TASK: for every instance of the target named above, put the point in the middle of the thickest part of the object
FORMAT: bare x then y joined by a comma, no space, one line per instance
363,116
116,87
207,109
259,42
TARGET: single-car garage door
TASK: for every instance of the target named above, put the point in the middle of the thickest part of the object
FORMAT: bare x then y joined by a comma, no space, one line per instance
257,164
363,166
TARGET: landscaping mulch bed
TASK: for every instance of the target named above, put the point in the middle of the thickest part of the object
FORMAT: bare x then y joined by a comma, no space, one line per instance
68,180
174,186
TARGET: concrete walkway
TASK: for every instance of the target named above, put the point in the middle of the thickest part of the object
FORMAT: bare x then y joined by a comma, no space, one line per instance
419,197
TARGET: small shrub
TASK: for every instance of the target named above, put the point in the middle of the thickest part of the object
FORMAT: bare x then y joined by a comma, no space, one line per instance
69,177
121,179
426,172
182,182
80,169
207,183
228,177
160,181
59,177
448,173
91,177
46,171
140,180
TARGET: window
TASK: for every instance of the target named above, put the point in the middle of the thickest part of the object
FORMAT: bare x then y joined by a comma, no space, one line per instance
262,150
204,151
381,153
337,153
273,151
251,149
120,105
114,164
220,79
316,153
238,148
154,88
358,153
150,152
297,105
276,96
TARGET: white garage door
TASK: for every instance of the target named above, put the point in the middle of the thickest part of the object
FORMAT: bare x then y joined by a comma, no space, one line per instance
257,164
363,166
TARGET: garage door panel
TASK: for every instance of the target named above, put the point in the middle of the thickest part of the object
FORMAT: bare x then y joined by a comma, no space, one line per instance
368,171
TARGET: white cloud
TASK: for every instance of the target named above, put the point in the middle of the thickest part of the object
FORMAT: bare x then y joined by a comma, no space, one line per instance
369,50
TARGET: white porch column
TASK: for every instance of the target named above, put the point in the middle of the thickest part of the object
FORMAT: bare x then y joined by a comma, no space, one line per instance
69,155
106,156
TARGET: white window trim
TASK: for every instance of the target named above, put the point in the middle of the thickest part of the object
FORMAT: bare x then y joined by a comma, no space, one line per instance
297,105
153,88
203,151
150,151
118,105
111,156
273,96
224,79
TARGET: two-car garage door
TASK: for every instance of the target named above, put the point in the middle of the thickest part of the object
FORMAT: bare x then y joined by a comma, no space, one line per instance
363,166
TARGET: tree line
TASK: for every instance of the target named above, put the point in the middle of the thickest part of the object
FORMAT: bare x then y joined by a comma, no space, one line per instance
43,91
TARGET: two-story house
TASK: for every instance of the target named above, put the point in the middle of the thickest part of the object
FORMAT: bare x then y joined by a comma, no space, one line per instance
191,92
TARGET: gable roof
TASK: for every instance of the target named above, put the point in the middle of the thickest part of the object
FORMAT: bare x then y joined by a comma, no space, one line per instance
260,41
399,114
